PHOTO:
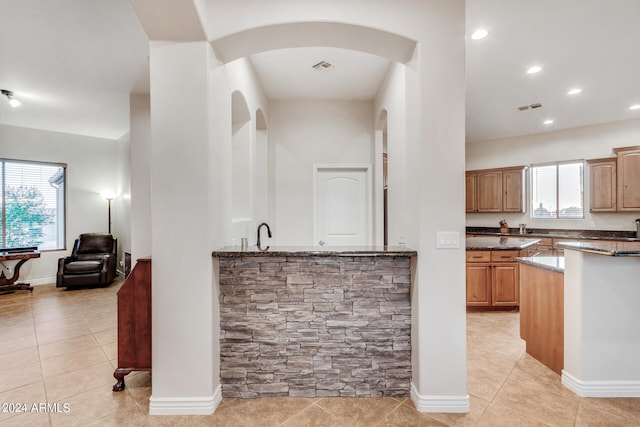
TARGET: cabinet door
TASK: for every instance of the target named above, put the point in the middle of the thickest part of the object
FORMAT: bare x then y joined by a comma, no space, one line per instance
512,185
602,185
470,186
629,179
504,284
478,284
489,191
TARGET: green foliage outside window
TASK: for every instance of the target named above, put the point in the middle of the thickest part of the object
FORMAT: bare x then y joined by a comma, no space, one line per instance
26,216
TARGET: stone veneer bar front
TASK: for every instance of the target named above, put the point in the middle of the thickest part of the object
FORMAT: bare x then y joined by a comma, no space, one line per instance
309,322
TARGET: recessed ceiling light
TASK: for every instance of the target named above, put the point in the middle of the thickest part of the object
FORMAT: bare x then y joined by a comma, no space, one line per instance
548,122
12,101
480,33
635,107
534,69
574,91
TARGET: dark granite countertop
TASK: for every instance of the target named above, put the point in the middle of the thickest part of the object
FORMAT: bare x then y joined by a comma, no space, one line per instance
324,251
499,243
629,236
552,263
604,248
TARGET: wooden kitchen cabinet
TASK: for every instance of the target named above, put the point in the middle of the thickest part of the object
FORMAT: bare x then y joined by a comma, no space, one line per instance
489,192
479,284
470,193
628,175
504,285
504,278
545,246
542,315
513,190
493,278
495,190
602,185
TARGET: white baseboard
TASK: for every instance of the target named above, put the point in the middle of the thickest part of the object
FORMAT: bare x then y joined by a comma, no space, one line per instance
41,281
456,404
185,405
601,388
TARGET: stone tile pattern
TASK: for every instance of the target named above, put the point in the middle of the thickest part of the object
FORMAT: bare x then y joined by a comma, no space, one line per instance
315,326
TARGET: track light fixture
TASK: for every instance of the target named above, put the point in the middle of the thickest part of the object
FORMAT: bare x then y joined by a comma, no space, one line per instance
9,94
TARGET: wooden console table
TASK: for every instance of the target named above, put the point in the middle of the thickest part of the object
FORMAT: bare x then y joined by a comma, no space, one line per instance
8,284
134,323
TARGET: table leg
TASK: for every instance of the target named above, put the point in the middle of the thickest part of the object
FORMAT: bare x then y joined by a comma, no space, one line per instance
9,284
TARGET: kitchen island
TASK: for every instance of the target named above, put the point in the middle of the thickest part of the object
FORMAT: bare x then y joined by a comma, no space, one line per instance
542,309
315,321
601,318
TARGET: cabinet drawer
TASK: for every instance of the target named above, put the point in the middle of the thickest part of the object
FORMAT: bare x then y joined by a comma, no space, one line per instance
545,242
478,256
504,256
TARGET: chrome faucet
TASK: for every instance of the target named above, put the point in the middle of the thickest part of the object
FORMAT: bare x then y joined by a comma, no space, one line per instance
638,228
268,233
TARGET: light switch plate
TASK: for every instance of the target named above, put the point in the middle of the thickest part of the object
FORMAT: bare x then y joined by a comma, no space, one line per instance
447,240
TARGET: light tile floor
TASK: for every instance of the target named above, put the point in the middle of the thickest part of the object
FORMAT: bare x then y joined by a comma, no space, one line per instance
59,347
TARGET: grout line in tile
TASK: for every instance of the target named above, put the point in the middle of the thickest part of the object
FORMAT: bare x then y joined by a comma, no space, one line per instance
297,413
44,385
390,412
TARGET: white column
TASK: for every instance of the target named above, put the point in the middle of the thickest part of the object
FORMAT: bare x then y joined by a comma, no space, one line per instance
435,190
185,333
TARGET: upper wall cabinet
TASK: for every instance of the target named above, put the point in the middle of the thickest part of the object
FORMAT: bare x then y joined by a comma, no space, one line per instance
496,190
489,191
471,197
602,185
628,165
614,182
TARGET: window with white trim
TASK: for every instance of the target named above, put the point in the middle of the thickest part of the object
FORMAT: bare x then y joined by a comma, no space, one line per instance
32,209
557,190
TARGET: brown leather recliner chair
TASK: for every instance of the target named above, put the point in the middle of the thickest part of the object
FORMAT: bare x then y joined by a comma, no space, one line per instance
92,262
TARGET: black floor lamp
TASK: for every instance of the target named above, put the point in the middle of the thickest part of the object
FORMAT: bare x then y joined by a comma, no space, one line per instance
109,198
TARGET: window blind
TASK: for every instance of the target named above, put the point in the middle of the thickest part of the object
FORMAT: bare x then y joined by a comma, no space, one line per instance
33,204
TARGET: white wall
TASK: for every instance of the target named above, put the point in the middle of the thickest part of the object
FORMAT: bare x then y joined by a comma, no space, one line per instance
241,156
308,132
392,98
185,313
92,168
140,186
121,205
582,143
241,77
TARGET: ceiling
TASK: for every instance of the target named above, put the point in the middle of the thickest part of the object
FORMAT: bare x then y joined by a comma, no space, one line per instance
73,67
72,63
590,44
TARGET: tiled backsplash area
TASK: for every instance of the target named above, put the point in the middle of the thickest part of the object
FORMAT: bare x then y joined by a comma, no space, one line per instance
553,232
315,326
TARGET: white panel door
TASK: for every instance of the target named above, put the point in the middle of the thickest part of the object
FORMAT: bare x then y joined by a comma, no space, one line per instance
342,207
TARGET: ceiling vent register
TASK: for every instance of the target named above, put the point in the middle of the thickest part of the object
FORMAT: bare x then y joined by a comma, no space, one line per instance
530,106
322,65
